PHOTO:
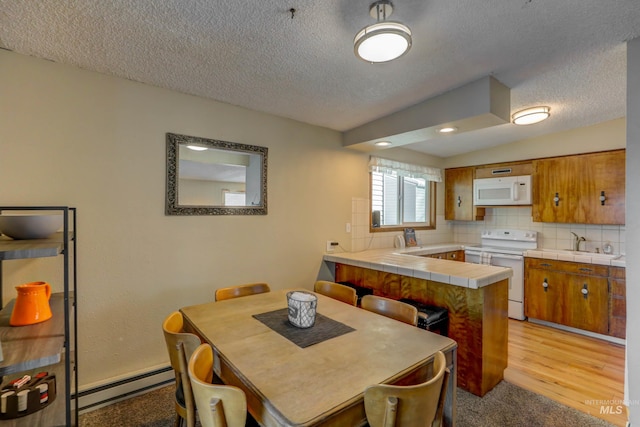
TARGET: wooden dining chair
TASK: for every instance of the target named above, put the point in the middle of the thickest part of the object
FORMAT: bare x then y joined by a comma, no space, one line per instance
180,346
218,405
409,406
336,291
391,308
241,291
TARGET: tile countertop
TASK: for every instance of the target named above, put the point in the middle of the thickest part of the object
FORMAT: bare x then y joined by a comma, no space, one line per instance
585,257
405,262
408,262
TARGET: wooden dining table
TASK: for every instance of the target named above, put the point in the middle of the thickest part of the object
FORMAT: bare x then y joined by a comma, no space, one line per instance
314,376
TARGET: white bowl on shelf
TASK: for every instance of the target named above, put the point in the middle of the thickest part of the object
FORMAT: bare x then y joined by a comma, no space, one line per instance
20,226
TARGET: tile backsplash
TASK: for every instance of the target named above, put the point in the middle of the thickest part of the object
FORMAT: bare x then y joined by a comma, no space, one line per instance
550,235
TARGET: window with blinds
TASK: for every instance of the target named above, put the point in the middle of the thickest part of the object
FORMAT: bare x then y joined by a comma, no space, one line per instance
400,199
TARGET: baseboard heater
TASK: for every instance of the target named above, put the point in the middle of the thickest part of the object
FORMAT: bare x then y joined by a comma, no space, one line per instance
94,397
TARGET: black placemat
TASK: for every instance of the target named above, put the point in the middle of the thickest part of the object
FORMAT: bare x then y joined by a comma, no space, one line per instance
323,329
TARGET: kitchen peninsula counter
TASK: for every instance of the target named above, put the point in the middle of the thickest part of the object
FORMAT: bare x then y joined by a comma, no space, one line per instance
475,296
409,262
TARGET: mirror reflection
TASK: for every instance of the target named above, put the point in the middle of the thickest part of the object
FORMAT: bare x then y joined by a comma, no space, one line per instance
212,177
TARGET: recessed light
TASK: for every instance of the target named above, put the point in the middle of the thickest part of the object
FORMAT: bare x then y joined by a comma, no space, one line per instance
383,143
531,115
448,129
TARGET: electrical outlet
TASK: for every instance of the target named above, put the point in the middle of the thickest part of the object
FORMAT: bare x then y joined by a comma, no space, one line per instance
331,244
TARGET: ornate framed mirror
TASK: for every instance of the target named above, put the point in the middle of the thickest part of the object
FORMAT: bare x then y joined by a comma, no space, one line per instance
213,177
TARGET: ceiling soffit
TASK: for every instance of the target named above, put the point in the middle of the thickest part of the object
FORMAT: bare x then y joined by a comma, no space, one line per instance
481,104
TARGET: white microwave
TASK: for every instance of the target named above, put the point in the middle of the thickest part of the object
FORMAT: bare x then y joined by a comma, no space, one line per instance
504,191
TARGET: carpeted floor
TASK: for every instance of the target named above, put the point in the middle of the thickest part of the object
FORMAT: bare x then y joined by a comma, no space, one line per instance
504,406
153,409
510,406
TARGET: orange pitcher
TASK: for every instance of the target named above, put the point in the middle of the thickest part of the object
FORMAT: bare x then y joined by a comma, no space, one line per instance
32,304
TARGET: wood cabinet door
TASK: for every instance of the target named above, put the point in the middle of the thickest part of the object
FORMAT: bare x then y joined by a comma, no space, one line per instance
554,181
544,295
577,294
458,184
588,303
578,183
601,174
456,256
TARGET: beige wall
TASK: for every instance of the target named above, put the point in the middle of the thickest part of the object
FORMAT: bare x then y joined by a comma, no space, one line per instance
78,138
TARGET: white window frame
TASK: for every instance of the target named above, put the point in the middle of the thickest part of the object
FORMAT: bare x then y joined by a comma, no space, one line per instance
404,172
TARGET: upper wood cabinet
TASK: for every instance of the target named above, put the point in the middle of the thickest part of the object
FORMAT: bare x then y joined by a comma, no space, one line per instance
458,184
579,189
509,169
583,189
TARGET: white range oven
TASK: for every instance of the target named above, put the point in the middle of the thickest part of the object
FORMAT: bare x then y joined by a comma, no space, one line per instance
506,248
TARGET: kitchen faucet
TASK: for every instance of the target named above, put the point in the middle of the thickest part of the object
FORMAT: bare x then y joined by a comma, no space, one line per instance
576,245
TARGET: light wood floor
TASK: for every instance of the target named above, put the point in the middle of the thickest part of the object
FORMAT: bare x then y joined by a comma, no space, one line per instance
572,369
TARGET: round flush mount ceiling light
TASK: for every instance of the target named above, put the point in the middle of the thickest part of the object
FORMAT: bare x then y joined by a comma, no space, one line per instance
448,129
531,115
385,40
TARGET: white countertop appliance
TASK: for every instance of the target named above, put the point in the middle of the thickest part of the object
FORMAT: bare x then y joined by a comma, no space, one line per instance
506,248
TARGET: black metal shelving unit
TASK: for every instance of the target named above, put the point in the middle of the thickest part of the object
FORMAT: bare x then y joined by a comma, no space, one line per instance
61,244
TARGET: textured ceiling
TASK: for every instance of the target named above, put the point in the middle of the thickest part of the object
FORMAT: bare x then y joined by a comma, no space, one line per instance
567,54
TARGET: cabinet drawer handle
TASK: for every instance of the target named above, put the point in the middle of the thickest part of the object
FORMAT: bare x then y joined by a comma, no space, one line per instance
602,198
459,201
586,270
585,291
556,199
545,284
544,264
